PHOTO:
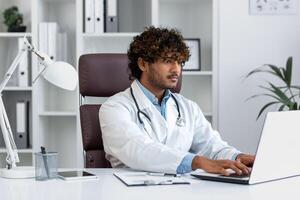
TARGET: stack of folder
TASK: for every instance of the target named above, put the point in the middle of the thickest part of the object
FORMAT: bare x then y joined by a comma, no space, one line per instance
52,42
100,16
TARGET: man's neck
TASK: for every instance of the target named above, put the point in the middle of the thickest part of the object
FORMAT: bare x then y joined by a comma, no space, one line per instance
158,93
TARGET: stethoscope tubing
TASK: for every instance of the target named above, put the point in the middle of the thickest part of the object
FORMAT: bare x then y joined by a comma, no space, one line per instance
139,111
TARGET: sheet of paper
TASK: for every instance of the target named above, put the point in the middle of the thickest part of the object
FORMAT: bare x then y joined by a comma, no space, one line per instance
144,178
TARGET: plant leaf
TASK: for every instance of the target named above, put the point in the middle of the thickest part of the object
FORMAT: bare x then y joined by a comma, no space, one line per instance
291,86
281,107
263,94
288,71
264,107
284,99
257,70
293,106
277,71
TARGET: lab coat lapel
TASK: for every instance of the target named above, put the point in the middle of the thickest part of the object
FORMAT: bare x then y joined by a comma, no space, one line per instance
159,124
172,114
142,100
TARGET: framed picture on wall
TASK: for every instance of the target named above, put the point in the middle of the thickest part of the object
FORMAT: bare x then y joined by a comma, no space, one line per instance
194,63
273,7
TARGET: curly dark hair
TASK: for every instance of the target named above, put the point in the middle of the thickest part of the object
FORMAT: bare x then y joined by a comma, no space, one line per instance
153,44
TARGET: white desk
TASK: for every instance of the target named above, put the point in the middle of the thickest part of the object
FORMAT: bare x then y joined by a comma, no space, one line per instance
107,187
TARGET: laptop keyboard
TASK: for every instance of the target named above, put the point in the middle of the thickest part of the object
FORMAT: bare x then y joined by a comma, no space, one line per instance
235,175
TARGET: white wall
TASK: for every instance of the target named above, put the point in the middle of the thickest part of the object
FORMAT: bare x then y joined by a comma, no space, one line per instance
246,42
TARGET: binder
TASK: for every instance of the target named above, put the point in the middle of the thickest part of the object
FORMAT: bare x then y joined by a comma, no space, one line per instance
22,125
2,143
43,37
52,40
23,66
10,52
62,53
89,16
111,16
99,16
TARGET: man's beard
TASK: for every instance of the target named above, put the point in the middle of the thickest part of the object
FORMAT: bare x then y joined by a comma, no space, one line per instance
161,85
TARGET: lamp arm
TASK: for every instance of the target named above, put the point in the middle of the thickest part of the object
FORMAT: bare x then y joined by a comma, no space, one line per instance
45,60
12,67
12,154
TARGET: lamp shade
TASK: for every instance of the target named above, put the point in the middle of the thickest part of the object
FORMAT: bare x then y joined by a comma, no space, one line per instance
61,74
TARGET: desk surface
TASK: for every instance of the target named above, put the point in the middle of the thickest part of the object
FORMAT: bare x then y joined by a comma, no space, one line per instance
108,187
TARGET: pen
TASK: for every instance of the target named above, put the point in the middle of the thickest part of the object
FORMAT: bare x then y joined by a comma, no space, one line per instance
162,174
152,182
43,151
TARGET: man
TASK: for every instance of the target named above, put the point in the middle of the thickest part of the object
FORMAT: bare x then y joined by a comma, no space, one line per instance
147,127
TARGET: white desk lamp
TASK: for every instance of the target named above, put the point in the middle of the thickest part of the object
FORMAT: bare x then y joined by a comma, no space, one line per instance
60,74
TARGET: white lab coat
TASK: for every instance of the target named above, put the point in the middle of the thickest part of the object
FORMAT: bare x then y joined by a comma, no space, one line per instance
160,145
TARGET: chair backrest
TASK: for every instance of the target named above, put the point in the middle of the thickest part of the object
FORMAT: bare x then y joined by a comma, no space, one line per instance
100,75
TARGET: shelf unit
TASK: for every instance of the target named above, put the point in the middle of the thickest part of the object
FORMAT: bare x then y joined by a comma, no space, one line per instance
13,93
54,112
58,109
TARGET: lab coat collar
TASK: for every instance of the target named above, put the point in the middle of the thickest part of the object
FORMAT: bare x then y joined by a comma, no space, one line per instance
151,96
142,99
146,105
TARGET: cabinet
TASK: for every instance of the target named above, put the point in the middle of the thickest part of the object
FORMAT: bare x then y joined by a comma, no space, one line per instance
55,117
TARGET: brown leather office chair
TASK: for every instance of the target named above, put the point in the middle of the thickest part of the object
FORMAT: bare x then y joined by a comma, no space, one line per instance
100,75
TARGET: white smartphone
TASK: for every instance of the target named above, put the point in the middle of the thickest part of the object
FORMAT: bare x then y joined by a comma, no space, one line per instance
75,175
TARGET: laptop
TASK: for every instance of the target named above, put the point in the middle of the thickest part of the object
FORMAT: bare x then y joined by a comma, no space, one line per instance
277,154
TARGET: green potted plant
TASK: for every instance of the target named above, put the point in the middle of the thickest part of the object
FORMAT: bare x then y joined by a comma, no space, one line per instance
286,95
13,20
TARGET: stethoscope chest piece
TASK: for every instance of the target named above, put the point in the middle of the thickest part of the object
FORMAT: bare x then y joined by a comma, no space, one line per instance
180,121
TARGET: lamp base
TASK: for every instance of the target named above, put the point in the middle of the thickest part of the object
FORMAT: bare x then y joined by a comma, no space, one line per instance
18,172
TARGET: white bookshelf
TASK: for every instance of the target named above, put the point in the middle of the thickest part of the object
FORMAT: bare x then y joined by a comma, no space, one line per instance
130,35
13,93
55,112
7,35
197,73
16,88
3,150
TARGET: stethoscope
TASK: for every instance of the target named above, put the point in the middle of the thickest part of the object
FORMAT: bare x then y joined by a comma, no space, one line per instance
179,120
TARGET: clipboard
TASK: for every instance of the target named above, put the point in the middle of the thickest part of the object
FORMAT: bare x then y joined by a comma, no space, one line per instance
148,179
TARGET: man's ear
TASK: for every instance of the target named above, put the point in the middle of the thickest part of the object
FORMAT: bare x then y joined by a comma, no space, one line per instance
142,64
